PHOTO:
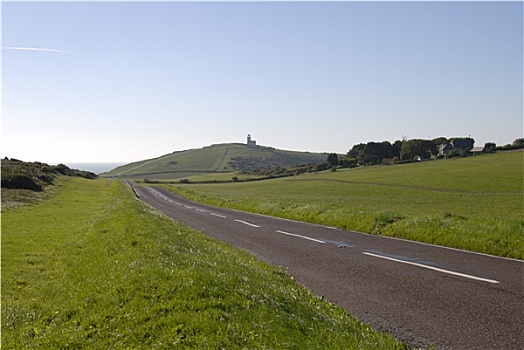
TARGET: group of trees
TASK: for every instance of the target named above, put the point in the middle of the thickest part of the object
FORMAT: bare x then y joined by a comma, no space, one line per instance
402,151
375,152
398,151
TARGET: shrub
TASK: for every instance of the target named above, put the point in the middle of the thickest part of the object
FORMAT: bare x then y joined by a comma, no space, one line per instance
19,181
63,169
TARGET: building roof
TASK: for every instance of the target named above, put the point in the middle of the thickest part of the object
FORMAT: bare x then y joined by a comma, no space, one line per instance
478,149
445,146
464,144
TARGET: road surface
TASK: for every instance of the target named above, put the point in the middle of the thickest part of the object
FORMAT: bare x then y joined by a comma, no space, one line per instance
421,294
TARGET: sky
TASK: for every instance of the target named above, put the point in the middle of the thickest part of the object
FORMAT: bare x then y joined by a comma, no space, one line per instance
127,81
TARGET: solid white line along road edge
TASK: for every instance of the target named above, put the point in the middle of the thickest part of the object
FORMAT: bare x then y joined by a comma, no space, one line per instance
300,236
220,216
246,223
433,268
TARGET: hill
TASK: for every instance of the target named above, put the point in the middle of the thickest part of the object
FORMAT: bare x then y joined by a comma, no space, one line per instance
226,158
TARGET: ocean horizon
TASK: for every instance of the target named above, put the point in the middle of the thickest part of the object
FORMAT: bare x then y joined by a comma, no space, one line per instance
96,168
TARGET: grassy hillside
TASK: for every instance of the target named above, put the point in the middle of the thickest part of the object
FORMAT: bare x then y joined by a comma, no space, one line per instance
91,267
474,203
29,182
216,158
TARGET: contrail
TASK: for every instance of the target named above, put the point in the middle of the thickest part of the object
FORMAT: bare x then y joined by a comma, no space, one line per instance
33,49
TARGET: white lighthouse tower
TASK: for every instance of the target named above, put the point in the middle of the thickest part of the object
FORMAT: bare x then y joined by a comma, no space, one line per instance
250,143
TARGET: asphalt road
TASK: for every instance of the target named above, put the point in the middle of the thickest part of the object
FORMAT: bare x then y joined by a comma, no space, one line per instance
421,294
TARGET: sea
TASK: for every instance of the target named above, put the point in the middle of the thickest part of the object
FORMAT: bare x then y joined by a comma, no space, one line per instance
96,168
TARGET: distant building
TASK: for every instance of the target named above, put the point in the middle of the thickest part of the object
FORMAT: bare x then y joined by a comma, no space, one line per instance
460,145
480,150
251,143
444,149
457,145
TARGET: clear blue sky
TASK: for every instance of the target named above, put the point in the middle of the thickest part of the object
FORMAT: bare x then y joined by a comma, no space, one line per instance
96,82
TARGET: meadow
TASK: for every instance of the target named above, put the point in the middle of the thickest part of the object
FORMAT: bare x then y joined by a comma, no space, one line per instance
474,203
89,266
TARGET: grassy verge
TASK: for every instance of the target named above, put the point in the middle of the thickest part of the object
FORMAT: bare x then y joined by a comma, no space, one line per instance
91,267
475,203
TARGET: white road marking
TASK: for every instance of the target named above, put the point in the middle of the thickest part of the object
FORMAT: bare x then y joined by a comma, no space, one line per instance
300,236
220,216
433,268
329,227
188,207
246,223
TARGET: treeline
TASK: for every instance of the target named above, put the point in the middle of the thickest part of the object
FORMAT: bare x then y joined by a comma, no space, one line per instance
405,151
35,176
517,144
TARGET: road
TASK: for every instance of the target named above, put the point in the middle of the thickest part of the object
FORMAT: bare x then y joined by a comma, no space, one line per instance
421,294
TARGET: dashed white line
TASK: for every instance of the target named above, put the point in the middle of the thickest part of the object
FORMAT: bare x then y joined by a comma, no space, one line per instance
246,223
220,216
329,227
300,236
433,268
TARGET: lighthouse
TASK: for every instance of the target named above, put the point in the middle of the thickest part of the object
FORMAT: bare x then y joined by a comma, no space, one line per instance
250,143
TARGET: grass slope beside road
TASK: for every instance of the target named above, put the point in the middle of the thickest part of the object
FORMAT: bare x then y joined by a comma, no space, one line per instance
474,203
92,267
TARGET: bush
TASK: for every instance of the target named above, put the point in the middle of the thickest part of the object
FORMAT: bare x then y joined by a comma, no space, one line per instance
19,181
64,170
509,147
322,166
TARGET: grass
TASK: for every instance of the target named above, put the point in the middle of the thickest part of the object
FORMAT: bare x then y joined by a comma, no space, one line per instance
92,267
472,203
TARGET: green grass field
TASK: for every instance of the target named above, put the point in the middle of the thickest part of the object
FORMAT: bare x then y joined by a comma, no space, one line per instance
91,267
474,203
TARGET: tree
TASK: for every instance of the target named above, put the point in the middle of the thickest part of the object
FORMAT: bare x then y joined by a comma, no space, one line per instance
518,142
439,141
418,148
356,150
332,159
397,147
380,150
490,145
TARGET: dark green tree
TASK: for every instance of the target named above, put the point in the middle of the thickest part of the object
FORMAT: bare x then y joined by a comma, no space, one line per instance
439,140
332,159
356,150
380,150
418,148
490,145
518,142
